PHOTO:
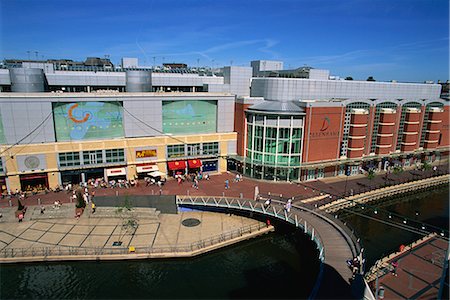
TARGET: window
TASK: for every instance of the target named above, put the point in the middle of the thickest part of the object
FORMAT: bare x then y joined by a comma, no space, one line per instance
68,159
311,175
211,148
92,157
194,149
320,173
175,151
114,155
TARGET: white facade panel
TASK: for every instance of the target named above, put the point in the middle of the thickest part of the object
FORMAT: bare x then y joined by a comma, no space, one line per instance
308,89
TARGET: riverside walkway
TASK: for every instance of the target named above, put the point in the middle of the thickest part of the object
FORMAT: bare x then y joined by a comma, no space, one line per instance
384,193
419,272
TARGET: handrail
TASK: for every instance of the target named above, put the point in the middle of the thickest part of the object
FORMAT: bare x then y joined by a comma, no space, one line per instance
232,202
179,248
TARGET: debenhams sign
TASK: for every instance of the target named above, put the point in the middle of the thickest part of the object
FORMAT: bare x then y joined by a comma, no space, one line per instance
323,131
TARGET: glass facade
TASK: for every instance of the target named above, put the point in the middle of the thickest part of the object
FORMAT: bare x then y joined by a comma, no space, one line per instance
114,155
69,159
274,146
92,157
425,120
197,149
347,120
402,121
376,122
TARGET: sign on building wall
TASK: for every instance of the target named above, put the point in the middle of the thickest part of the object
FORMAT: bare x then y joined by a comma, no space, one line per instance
88,120
323,139
31,162
148,153
189,116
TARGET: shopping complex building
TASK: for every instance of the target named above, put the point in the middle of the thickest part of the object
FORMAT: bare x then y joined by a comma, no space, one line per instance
64,122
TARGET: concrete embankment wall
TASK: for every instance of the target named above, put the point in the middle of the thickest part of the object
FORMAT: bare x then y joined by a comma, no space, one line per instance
385,193
134,256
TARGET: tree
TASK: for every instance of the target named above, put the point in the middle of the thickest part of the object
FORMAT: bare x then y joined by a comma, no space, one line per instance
348,78
129,221
370,78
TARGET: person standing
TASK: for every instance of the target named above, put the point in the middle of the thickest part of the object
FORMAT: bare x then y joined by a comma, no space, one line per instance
93,207
227,184
394,267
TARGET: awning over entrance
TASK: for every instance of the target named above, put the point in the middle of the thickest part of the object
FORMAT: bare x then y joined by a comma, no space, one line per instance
147,168
33,176
194,163
157,174
116,172
176,165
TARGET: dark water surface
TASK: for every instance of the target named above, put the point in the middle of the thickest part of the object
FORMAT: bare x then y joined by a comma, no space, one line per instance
279,265
380,239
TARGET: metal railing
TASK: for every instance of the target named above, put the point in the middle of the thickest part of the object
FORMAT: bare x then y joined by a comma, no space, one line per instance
99,251
276,209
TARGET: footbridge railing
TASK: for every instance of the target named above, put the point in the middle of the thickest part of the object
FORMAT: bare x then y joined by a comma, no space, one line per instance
298,216
275,209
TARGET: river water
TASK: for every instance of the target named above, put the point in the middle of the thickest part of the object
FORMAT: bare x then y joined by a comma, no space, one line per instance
278,265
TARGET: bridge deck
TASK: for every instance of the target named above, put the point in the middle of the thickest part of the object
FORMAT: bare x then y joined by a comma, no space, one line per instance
334,247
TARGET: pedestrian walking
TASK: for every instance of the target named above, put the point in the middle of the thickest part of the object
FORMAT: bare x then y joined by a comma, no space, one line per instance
267,203
42,209
288,206
227,184
93,207
195,185
394,265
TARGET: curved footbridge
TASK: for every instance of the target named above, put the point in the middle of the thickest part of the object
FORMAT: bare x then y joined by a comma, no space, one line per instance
335,242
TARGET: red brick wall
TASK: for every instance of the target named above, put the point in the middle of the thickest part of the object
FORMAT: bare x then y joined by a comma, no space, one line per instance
239,126
322,133
445,138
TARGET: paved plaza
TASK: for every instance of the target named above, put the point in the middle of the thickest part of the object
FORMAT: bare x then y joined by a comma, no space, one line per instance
57,229
335,187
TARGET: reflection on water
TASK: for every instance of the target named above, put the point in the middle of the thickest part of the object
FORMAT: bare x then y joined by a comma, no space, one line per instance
268,267
380,239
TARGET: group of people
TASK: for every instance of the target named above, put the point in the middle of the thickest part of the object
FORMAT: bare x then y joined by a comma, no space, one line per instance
193,177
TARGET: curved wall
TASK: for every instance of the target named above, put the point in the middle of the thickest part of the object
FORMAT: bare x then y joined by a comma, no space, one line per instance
138,81
27,80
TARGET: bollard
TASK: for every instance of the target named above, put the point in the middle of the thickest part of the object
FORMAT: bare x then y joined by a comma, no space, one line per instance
39,201
117,193
153,192
70,199
10,203
241,195
223,194
187,192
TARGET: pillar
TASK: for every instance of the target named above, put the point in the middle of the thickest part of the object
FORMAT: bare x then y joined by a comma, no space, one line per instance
14,183
54,179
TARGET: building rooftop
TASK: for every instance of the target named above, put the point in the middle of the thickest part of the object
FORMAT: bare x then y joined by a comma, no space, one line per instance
288,107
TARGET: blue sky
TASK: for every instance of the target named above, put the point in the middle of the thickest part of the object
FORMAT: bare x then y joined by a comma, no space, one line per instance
406,40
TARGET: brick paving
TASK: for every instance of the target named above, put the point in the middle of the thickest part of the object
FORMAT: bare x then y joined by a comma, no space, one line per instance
334,186
418,273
